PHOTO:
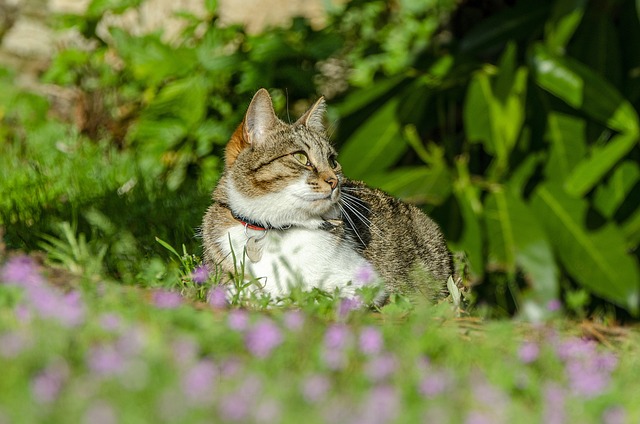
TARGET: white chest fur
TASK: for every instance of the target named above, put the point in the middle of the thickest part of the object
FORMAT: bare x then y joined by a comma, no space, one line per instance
299,257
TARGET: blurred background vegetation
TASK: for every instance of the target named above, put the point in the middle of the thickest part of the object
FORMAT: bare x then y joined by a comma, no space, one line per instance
513,123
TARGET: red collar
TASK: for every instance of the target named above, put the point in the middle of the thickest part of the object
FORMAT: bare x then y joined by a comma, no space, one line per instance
250,226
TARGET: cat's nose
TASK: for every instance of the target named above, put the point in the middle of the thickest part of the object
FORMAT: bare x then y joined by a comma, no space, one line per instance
332,181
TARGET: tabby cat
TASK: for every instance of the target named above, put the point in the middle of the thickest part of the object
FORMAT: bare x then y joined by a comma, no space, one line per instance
289,216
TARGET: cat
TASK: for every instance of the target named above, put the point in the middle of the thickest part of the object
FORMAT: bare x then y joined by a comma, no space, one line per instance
286,213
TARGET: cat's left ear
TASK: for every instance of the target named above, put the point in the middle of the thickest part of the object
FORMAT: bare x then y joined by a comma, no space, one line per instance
314,117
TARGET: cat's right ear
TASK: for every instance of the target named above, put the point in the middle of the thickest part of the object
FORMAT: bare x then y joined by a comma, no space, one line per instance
259,119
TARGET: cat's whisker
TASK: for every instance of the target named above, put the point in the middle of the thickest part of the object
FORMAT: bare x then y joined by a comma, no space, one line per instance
358,201
366,221
346,215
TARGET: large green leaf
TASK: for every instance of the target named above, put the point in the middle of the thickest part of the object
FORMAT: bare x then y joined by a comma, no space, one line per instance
516,241
596,259
601,160
566,134
494,110
583,89
420,184
610,196
566,15
376,145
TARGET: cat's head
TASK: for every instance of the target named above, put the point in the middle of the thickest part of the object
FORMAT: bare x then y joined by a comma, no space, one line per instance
282,174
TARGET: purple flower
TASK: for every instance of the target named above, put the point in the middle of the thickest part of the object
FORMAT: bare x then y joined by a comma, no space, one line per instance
198,382
200,275
48,303
575,348
262,338
106,361
585,380
217,297
234,408
268,411
132,341
528,352
293,320
435,383
21,270
12,344
365,275
479,417
370,341
347,305
381,406
185,351
334,359
554,305
238,320
100,412
588,371
166,299
336,340
71,310
47,385
614,415
315,388
380,367
337,336
110,322
554,404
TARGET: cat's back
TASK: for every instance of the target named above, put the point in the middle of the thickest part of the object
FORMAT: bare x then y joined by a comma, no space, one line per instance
403,243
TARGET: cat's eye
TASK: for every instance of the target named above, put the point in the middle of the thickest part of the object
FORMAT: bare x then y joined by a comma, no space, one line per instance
333,162
302,158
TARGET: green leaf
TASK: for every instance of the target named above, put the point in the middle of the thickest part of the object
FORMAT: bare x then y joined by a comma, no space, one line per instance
365,96
602,159
97,8
376,145
183,99
582,89
516,241
418,184
596,259
631,230
494,112
565,18
609,196
211,5
566,134
150,60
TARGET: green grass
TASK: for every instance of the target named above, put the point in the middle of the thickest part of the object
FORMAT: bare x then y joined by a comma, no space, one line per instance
76,348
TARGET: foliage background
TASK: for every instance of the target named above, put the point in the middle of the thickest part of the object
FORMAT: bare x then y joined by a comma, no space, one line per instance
513,123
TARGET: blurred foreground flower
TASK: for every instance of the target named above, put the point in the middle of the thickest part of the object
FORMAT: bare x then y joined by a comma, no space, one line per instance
21,270
263,337
217,297
166,299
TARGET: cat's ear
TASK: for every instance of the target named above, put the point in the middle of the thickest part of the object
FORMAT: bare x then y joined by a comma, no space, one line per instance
259,119
314,117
